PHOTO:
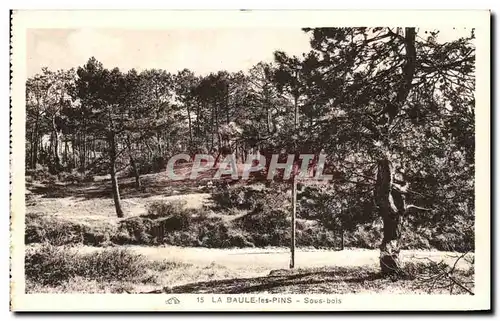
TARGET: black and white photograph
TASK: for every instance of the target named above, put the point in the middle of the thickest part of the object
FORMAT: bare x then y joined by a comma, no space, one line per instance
249,165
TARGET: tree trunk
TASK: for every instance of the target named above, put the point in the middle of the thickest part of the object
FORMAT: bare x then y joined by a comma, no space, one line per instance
114,182
73,147
133,165
136,172
84,151
296,112
216,116
392,216
293,227
57,162
190,127
65,155
227,104
159,140
34,160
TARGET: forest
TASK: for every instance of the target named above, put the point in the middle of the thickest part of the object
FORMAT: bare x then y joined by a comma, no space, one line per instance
391,108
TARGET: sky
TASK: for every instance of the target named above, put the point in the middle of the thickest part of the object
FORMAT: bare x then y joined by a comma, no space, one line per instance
200,50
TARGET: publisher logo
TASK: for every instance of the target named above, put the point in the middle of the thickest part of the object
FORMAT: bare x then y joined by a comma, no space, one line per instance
173,300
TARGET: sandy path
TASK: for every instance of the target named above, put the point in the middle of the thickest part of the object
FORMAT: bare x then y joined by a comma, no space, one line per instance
279,258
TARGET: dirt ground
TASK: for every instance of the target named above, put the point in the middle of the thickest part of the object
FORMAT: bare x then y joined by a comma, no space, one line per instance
279,258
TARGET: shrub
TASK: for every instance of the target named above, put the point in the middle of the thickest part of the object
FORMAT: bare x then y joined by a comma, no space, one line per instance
88,177
414,239
412,270
364,236
42,174
225,198
73,177
264,222
164,209
42,228
214,235
52,265
134,230
178,217
238,239
247,198
169,223
182,238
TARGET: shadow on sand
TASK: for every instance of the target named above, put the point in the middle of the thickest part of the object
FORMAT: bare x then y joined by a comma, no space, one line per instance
291,282
102,189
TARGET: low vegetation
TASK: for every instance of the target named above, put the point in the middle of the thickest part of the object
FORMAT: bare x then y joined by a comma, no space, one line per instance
71,269
77,269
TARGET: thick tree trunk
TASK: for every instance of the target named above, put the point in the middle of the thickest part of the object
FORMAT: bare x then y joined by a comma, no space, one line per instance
389,200
114,182
391,210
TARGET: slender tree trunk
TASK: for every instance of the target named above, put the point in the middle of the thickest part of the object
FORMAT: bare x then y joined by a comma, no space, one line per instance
217,132
133,165
65,155
94,148
296,112
392,216
158,139
29,159
268,115
34,160
73,144
80,152
136,172
114,182
57,162
198,119
84,151
212,129
189,126
227,104
293,226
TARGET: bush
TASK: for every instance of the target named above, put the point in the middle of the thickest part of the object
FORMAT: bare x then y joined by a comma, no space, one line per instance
182,238
317,237
174,216
164,209
214,235
247,198
412,270
41,174
41,228
225,198
73,177
88,178
134,230
52,265
414,239
364,236
264,222
169,223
